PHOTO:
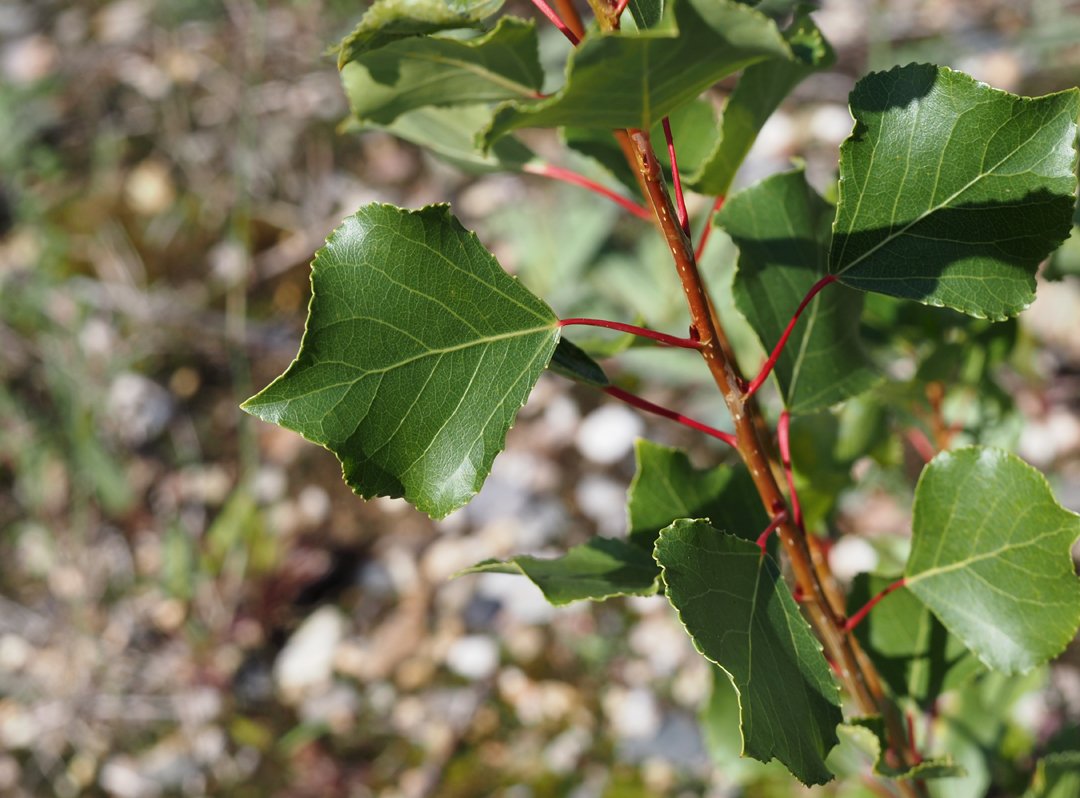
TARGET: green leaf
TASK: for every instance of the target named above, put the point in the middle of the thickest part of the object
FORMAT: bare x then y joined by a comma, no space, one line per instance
414,73
913,652
781,228
574,363
449,134
633,80
667,487
693,128
1066,260
1056,776
597,570
387,21
419,351
864,739
646,13
758,93
990,556
741,615
952,192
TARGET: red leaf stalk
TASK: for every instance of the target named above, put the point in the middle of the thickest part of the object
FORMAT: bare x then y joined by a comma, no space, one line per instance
567,176
768,367
650,407
664,338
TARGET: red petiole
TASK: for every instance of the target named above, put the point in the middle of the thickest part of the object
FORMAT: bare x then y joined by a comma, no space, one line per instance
650,407
763,538
548,12
620,6
856,619
680,200
783,438
707,231
642,332
567,176
768,367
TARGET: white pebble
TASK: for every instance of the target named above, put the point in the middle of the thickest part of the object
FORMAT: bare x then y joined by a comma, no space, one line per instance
473,657
607,434
307,660
850,556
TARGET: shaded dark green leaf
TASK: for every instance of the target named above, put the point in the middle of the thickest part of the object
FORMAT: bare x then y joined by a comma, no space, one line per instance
574,363
760,90
633,80
598,569
781,228
741,615
435,71
667,487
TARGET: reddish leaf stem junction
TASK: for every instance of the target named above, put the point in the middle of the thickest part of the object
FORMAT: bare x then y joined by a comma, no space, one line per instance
642,332
567,176
660,410
620,6
768,367
763,538
676,180
707,231
856,619
548,12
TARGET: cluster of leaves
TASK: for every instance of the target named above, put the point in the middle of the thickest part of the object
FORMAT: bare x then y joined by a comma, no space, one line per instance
419,349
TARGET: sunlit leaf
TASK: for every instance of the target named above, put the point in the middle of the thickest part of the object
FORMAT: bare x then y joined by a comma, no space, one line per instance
952,192
990,556
419,351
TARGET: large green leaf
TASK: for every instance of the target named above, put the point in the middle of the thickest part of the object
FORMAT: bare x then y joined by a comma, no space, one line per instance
667,487
952,192
759,91
415,73
419,351
990,556
449,134
781,228
913,652
597,570
390,20
741,615
633,80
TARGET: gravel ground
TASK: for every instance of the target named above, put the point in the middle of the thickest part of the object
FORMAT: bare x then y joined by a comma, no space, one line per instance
191,602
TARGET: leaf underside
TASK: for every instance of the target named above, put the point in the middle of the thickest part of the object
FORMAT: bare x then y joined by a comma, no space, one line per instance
952,192
741,615
867,737
781,228
419,351
991,557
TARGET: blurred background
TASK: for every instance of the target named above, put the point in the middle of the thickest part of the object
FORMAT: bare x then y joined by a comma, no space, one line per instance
193,603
